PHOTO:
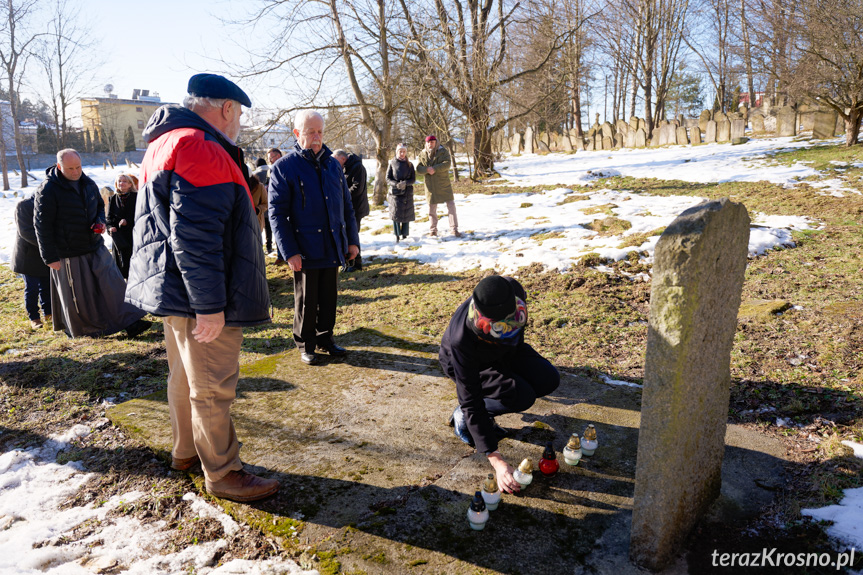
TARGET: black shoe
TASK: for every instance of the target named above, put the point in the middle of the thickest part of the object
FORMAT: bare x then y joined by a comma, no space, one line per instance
459,427
499,432
139,327
347,269
309,358
333,349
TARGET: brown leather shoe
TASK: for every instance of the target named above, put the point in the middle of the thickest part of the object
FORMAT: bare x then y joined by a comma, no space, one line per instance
184,464
242,486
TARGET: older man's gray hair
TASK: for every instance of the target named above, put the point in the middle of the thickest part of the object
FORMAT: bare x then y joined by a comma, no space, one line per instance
196,102
303,115
65,152
340,153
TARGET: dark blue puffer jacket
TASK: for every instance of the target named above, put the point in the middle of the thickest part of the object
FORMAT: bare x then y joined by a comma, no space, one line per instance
197,245
311,212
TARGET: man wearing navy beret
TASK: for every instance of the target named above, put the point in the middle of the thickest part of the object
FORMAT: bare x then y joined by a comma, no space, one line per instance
199,263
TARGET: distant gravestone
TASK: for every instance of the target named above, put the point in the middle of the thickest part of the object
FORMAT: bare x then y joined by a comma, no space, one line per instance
840,124
607,130
579,143
694,135
629,139
655,139
770,124
807,120
565,143
640,138
786,121
723,131
607,143
681,136
597,140
621,127
824,125
698,274
738,127
757,120
633,123
528,140
588,147
642,124
542,146
710,132
515,144
670,133
719,116
618,140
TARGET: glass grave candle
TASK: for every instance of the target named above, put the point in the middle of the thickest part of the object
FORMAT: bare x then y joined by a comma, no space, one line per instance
589,442
548,464
524,473
572,451
490,493
477,514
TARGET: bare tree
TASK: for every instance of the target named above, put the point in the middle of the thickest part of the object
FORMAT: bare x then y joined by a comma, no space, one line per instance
16,37
830,69
461,48
66,56
713,46
350,36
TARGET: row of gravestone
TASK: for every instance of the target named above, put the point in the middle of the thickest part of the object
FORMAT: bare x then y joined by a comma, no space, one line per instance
708,128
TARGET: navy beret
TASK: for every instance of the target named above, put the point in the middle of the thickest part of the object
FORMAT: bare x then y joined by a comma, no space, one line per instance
218,87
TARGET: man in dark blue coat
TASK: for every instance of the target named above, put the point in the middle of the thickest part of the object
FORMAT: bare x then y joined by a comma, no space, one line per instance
198,262
494,370
314,226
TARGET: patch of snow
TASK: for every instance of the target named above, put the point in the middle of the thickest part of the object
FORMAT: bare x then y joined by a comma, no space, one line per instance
611,381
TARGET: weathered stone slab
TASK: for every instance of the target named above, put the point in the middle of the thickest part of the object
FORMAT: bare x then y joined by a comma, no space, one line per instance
589,145
607,143
824,125
528,140
723,131
618,140
640,138
565,143
695,135
621,127
607,130
738,128
642,124
515,144
542,146
633,123
579,142
770,124
786,121
806,119
597,140
710,132
757,120
681,136
697,281
629,139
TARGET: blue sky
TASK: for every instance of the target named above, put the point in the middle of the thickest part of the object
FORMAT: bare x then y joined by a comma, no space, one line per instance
158,44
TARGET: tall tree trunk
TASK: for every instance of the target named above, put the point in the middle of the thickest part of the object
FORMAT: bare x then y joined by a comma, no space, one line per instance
852,126
747,54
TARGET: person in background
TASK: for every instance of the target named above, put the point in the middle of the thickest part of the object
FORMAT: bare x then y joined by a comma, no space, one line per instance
494,370
434,163
401,177
357,179
121,220
27,262
198,263
86,286
273,155
259,198
314,227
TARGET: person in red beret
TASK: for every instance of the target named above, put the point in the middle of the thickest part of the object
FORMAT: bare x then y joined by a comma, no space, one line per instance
434,163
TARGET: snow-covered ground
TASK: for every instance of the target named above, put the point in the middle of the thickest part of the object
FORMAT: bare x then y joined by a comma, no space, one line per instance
504,232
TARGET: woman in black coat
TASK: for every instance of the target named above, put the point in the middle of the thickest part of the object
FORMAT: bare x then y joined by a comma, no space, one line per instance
401,177
121,220
27,262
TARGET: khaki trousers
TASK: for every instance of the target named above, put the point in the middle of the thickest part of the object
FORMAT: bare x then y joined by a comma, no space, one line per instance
202,385
450,211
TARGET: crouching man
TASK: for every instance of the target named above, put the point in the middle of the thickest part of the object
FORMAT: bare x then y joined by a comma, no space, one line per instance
494,370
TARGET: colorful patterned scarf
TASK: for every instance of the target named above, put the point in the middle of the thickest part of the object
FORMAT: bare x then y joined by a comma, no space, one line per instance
505,330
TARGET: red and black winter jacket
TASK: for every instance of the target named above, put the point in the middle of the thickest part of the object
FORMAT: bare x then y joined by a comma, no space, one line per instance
197,245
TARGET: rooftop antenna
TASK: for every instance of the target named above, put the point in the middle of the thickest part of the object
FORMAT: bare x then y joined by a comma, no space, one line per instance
109,88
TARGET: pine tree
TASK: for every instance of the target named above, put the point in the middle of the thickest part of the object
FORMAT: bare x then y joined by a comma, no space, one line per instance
88,142
129,140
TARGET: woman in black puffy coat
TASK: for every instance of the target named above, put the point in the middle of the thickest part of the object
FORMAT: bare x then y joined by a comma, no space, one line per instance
121,220
401,177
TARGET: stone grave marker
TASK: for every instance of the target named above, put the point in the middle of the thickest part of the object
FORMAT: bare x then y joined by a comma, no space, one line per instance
681,136
738,127
607,143
640,138
723,131
629,139
566,144
710,132
515,146
786,121
695,135
757,120
607,130
703,119
618,140
695,296
528,140
824,125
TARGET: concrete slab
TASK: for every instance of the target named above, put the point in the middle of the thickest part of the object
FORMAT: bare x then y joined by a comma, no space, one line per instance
374,480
